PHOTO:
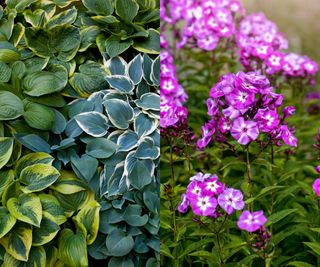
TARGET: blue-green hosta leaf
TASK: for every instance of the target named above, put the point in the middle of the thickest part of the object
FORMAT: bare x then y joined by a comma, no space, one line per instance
101,148
119,112
135,69
64,144
151,200
6,178
119,243
149,101
150,45
45,233
6,148
147,149
66,17
68,183
73,248
116,66
147,68
38,116
46,82
52,209
127,141
7,221
31,159
98,250
33,142
120,262
143,125
115,46
72,129
18,242
155,71
133,217
93,123
37,177
8,53
35,64
101,7
139,172
26,208
88,216
5,72
60,122
126,9
11,107
116,183
84,167
121,83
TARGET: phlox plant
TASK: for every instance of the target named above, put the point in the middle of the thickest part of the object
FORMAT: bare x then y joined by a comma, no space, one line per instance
239,176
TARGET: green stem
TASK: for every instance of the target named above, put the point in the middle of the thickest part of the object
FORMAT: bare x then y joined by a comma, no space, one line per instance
249,178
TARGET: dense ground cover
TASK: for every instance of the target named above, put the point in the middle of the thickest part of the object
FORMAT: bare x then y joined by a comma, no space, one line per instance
79,137
240,145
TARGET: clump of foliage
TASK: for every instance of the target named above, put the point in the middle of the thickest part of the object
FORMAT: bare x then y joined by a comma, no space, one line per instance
79,133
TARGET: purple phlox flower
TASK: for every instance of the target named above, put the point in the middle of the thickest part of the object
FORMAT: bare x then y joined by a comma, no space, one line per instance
287,136
251,222
200,177
316,186
204,205
240,99
288,111
224,125
231,199
213,106
317,169
213,186
244,131
268,120
183,206
194,190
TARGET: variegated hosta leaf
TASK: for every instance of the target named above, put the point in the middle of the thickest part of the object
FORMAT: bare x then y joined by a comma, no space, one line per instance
143,125
101,7
121,83
66,17
135,69
115,46
101,148
45,233
8,53
52,256
26,208
147,149
18,241
11,107
119,112
68,183
31,159
72,202
37,258
150,45
7,221
72,248
38,177
19,5
52,209
11,191
116,65
88,216
93,123
6,147
149,101
6,178
85,166
127,141
126,9
5,72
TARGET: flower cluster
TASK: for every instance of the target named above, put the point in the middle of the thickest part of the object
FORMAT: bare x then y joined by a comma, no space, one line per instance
172,95
244,105
206,22
260,45
205,193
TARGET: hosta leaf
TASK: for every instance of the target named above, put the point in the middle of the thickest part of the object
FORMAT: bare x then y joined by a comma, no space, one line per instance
135,69
119,112
155,71
66,17
8,53
52,209
119,243
101,148
84,166
33,142
5,72
6,147
72,202
60,123
45,233
139,174
88,216
115,46
17,34
73,249
19,5
149,101
143,125
147,149
120,262
300,264
68,183
31,159
11,191
116,66
126,9
88,37
150,45
38,116
121,83
127,141
18,242
6,177
38,177
46,82
132,216
36,18
52,256
93,123
101,7
11,107
26,208
7,221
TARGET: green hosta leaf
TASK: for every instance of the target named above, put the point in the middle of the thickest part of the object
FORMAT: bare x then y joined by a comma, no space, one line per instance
6,178
127,9
20,5
45,233
11,107
72,202
121,83
31,159
26,208
18,242
66,17
38,177
46,82
38,116
150,45
36,18
88,37
149,101
52,256
60,123
115,46
8,53
314,246
33,142
84,167
6,147
120,262
11,191
17,34
68,183
119,112
119,243
101,148
88,216
5,72
93,123
35,64
101,7
132,216
52,209
7,221
73,249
